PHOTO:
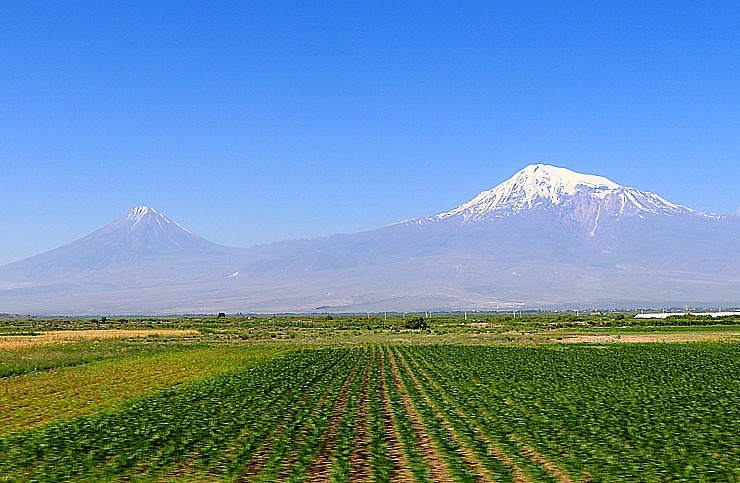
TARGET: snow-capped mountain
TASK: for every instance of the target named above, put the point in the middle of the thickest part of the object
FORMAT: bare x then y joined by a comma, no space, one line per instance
546,238
143,230
142,237
544,187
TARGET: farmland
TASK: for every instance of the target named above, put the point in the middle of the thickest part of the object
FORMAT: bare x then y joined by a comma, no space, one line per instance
368,402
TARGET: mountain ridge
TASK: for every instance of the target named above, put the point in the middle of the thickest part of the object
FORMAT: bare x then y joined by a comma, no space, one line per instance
558,237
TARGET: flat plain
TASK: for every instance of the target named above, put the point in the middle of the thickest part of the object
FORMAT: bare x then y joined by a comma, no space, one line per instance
349,398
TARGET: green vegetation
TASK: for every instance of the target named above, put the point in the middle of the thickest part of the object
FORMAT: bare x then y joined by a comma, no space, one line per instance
417,322
39,358
283,327
38,399
351,398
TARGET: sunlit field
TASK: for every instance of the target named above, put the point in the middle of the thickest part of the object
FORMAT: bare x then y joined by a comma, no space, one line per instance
539,397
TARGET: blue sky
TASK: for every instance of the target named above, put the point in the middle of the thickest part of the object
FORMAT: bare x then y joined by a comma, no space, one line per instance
252,122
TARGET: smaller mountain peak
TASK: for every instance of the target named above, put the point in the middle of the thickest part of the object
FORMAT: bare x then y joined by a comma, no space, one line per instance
141,211
145,228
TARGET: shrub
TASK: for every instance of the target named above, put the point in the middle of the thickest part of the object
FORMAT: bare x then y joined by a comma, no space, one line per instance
416,323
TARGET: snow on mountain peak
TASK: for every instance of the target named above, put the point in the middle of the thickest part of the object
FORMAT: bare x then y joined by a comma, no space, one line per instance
146,215
542,186
141,211
543,178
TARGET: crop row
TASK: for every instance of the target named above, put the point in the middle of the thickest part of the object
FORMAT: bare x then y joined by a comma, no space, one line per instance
649,412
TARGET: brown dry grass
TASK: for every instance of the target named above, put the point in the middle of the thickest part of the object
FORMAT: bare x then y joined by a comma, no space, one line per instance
10,342
668,337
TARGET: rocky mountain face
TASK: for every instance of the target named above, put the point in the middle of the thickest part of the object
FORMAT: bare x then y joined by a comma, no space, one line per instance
546,238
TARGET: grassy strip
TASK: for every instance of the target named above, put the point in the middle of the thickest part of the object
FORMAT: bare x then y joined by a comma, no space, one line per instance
37,399
14,362
60,337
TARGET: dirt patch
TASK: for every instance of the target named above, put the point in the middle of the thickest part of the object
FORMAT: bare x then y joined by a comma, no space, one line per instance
485,325
636,338
8,342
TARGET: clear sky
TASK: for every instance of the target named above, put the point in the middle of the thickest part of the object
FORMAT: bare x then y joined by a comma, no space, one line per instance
252,122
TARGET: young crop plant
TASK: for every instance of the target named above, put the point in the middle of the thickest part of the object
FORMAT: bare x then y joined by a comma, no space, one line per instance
303,388
348,424
309,427
404,426
382,465
444,439
465,423
647,411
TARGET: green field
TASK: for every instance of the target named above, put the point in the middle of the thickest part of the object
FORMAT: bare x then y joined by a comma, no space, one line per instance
367,400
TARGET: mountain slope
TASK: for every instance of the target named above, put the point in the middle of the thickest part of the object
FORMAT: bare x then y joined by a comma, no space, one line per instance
547,238
142,237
